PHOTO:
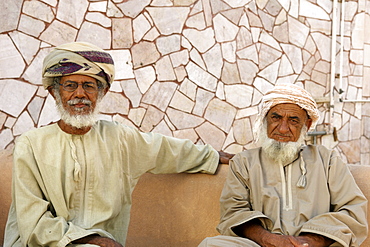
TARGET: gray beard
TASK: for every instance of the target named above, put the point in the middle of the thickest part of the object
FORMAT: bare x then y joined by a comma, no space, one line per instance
77,120
281,152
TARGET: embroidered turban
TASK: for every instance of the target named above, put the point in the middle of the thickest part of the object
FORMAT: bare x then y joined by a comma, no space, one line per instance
288,93
78,58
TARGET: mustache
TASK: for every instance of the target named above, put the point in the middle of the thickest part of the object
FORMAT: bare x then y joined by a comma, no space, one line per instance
79,101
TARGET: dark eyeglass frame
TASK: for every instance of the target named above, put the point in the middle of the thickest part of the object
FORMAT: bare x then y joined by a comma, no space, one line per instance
71,86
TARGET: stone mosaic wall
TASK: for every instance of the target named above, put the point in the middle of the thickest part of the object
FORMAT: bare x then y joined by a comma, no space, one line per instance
196,69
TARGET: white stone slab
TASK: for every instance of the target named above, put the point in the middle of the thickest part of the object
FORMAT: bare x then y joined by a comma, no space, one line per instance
133,8
196,21
225,30
10,21
100,6
212,135
201,40
123,65
144,53
230,73
179,58
140,27
309,9
145,77
6,137
169,20
183,120
165,90
220,114
122,33
164,69
152,117
201,77
248,71
59,33
239,95
9,58
132,91
243,133
24,123
136,115
114,103
237,3
15,95
202,99
189,134
99,18
213,60
95,34
49,112
169,44
74,16
27,45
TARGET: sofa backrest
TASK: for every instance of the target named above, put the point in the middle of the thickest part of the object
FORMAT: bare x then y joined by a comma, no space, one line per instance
168,210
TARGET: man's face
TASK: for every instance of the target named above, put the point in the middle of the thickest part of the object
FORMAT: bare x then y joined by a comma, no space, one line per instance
78,102
285,122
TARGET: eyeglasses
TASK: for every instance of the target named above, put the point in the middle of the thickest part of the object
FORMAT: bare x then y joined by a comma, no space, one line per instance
71,86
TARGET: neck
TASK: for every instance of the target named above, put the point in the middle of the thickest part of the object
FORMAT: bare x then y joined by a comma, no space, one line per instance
71,129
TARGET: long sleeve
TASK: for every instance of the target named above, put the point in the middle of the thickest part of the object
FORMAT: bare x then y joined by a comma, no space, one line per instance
235,202
155,153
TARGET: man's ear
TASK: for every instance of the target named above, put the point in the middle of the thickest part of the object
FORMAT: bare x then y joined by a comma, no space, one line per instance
51,91
106,89
308,123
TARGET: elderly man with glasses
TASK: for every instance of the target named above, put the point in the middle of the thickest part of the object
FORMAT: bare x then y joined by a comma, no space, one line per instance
72,180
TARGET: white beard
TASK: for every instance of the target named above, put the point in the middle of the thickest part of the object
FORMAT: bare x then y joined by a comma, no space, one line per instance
77,120
281,152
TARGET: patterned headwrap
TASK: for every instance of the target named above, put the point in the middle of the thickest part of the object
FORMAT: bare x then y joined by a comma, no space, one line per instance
288,93
78,58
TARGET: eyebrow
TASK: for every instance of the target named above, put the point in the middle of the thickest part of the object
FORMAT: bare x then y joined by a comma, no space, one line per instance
280,116
81,82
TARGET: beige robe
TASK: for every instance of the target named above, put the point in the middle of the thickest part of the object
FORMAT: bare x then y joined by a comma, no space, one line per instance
69,186
331,204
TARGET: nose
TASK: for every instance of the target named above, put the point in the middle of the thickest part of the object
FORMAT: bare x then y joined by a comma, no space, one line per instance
283,127
80,92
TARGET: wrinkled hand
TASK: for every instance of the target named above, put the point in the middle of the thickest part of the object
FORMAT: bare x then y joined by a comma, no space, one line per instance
307,240
276,240
98,240
225,157
314,240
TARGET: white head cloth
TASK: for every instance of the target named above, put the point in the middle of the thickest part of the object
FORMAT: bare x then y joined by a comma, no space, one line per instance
288,93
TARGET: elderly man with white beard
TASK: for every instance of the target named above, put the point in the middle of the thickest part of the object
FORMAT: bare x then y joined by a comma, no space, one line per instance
72,180
286,193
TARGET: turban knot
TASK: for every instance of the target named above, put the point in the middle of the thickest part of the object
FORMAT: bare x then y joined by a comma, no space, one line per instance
78,58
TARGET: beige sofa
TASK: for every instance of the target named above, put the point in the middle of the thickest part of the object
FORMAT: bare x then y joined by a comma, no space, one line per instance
177,210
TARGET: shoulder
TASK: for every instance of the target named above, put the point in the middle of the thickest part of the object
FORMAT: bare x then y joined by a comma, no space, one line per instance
39,133
320,150
114,129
